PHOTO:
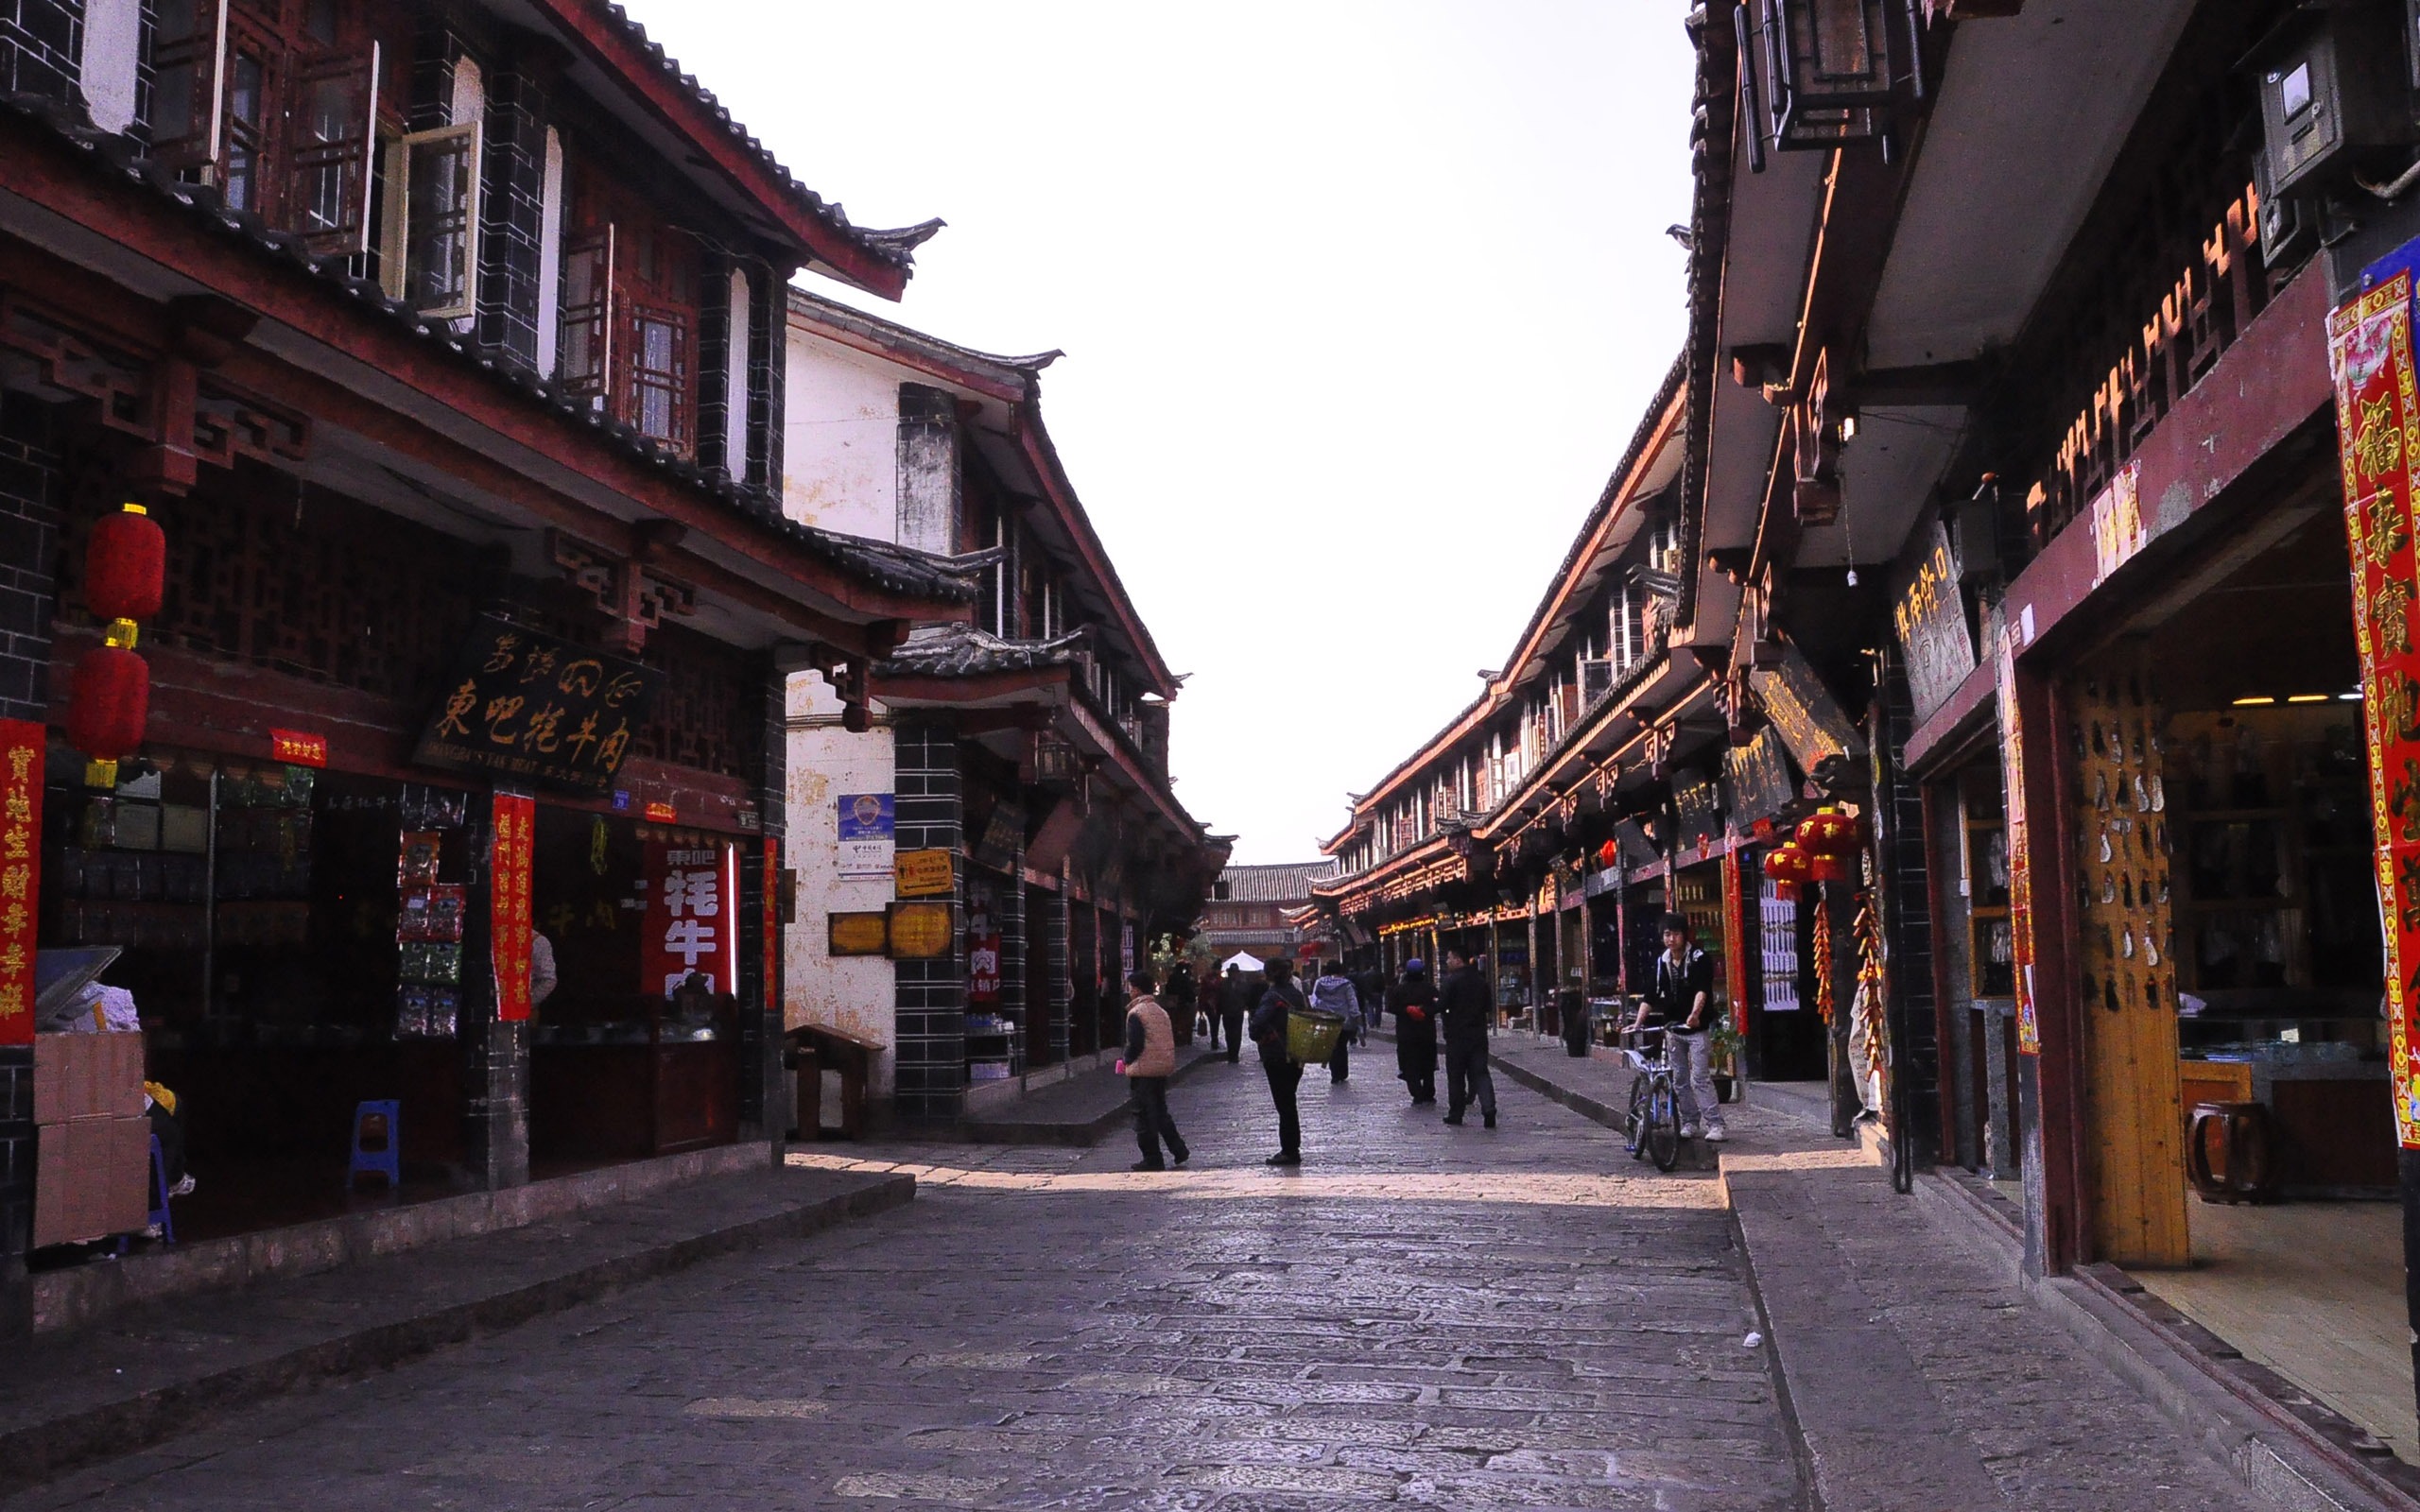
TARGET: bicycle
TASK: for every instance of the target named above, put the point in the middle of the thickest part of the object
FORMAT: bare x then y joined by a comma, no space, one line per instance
1654,1123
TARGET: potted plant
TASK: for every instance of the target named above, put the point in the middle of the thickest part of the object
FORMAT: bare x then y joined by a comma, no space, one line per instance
1728,1047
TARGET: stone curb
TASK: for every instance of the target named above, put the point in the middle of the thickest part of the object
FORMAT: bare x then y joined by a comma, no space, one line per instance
46,1450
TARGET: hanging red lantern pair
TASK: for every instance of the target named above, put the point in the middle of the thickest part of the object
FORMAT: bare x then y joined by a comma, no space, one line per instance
108,698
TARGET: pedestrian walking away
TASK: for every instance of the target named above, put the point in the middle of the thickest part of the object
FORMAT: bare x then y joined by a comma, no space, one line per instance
1464,1005
1333,993
1176,997
1207,1000
1413,1001
1150,1061
1680,997
1235,999
1279,999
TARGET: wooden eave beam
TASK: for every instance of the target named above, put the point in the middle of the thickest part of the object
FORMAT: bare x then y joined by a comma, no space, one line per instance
604,42
307,306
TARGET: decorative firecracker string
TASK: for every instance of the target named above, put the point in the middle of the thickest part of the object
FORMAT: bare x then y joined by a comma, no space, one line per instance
1823,964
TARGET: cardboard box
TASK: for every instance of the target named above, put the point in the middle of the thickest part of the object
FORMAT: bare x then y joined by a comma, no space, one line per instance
87,1076
91,1179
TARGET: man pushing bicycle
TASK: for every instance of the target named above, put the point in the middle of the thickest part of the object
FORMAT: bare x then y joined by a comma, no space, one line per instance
1680,1001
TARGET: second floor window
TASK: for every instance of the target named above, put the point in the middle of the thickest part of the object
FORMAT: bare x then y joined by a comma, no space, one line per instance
628,315
433,235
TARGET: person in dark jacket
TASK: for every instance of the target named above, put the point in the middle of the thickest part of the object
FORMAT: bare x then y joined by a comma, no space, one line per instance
1334,992
1413,1001
1284,1072
1150,1061
1207,1002
1464,1005
1236,997
1176,998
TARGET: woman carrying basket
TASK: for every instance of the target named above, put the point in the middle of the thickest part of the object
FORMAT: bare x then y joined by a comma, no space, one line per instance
1281,998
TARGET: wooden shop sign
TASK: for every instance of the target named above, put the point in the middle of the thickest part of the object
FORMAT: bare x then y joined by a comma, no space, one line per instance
1929,614
922,932
1759,778
530,709
859,933
1821,736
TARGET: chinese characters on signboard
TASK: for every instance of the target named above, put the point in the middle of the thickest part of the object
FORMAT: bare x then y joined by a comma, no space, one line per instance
1758,774
983,969
2377,430
926,874
1930,618
771,889
509,902
1820,736
21,753
297,748
922,932
530,708
692,921
867,831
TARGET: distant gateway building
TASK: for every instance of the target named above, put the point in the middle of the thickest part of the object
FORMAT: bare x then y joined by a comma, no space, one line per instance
1254,909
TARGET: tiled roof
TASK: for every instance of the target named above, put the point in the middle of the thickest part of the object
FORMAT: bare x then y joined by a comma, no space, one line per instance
1289,883
121,158
963,652
897,247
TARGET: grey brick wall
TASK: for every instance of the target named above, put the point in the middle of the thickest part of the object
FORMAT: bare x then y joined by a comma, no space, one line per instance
930,995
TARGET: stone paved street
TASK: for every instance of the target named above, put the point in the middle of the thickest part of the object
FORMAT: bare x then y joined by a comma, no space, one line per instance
1419,1315
1422,1314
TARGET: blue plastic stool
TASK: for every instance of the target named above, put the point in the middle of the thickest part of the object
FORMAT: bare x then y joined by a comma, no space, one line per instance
160,1194
383,1120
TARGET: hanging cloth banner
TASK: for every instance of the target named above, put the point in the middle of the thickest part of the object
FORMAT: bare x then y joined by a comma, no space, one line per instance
20,760
2378,433
2020,848
508,904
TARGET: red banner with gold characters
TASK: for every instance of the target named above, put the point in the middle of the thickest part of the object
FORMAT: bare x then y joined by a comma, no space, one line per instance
20,751
508,904
2377,434
772,890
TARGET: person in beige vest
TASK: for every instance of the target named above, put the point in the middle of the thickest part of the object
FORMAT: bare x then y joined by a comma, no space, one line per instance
1150,1061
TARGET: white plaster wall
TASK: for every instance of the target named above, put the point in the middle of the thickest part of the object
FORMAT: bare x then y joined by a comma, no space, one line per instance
840,440
112,38
825,761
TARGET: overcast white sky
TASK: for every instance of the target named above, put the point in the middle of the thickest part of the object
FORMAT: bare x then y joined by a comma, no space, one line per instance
1360,302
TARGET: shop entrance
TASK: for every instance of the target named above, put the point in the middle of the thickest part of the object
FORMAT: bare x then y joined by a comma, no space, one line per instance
259,913
2230,959
635,1052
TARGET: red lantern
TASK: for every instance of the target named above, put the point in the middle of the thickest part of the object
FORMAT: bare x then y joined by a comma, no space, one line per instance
1829,869
109,702
1828,832
1608,853
126,566
1786,864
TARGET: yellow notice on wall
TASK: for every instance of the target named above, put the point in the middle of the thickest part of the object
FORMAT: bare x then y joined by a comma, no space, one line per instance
924,874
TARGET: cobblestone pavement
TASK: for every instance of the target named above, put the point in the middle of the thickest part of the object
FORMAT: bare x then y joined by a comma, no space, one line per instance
1419,1315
